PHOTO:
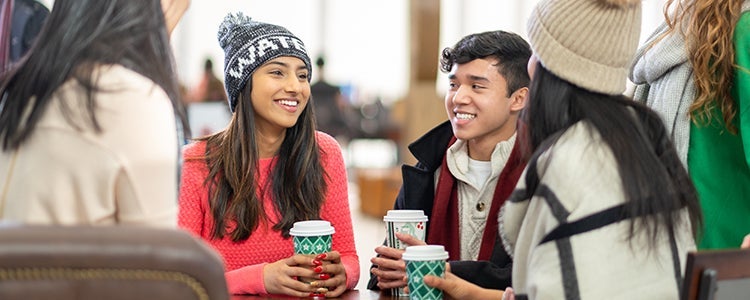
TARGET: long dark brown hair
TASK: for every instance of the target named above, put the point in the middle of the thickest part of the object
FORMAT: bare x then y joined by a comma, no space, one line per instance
79,35
656,184
298,179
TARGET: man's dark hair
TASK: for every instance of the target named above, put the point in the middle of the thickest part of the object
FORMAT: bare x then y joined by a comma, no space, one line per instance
510,49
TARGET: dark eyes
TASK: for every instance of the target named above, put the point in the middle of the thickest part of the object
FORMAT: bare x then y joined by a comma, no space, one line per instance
473,86
279,73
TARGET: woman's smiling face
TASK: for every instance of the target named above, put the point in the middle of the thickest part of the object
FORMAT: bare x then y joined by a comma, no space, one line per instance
280,93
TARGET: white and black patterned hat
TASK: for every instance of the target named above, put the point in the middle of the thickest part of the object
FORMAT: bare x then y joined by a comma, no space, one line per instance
249,44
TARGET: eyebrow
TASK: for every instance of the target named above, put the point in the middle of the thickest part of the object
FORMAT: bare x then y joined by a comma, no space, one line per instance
471,77
283,64
478,78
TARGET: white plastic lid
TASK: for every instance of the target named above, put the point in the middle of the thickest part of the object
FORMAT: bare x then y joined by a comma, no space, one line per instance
405,215
312,228
425,252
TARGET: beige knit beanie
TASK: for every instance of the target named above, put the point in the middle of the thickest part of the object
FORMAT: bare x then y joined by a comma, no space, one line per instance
589,43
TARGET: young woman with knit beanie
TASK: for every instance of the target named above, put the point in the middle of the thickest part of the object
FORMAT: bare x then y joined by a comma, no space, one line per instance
604,209
244,187
695,72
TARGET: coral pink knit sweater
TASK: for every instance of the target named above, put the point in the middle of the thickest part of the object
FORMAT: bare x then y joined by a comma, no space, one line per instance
245,260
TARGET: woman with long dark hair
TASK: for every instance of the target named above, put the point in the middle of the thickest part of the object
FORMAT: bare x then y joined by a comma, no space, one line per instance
605,208
244,187
87,118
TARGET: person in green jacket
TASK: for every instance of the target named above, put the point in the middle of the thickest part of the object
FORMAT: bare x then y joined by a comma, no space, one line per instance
695,71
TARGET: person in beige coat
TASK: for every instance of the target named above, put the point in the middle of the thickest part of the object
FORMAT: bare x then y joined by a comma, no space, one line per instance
87,119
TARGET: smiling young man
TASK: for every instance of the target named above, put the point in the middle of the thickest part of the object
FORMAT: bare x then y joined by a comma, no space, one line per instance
469,165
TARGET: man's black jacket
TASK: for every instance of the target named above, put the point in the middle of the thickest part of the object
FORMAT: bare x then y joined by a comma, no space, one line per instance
417,192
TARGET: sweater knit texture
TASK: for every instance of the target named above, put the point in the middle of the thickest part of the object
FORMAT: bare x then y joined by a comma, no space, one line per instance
245,260
471,220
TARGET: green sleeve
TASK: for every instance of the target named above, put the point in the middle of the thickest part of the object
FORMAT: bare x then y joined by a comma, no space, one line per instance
741,88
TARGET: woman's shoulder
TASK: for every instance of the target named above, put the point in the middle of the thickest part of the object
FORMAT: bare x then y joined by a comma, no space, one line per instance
326,141
579,145
330,150
580,135
119,79
119,74
194,150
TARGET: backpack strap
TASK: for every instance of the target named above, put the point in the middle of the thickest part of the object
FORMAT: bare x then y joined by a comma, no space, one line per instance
591,222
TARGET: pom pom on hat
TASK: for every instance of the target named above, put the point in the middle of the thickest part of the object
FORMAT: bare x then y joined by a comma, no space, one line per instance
590,43
249,44
230,22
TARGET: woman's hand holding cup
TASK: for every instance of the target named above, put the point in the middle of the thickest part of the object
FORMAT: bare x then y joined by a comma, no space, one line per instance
280,276
330,275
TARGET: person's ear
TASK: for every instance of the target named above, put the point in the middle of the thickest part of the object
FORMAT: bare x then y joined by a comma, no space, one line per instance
518,99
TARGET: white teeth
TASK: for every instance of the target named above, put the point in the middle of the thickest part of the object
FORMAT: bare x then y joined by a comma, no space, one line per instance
461,116
288,103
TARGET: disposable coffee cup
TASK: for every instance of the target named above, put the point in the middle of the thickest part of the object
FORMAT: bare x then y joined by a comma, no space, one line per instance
421,261
312,237
412,222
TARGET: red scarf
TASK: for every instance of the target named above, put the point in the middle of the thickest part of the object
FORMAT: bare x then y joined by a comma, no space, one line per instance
443,224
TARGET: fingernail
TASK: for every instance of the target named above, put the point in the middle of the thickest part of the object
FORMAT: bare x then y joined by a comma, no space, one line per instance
314,284
324,276
317,262
321,256
318,269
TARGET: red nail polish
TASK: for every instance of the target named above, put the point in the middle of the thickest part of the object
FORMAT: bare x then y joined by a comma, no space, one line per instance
317,262
324,276
321,256
318,269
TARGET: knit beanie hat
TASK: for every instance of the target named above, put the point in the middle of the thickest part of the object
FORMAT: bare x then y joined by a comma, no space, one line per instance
248,45
590,43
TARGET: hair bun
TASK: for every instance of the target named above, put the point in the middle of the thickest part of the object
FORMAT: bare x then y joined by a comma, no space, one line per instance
621,3
231,21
